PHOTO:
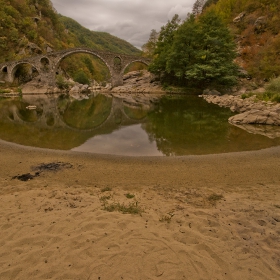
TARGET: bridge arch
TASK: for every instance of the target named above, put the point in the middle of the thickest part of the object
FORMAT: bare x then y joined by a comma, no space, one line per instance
3,72
4,69
30,72
133,61
82,51
45,62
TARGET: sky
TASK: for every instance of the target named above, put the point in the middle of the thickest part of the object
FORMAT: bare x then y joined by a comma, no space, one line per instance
131,20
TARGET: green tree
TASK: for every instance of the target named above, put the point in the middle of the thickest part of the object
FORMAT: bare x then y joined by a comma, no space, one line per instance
81,78
150,46
183,51
162,50
216,53
198,52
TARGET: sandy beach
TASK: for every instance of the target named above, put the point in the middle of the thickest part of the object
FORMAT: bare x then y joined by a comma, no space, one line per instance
85,216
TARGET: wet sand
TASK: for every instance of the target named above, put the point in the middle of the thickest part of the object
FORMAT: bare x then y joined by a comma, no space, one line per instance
199,217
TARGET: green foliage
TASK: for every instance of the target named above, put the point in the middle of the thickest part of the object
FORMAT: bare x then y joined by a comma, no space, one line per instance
97,40
24,21
274,85
81,77
199,52
106,189
259,42
131,208
273,96
150,46
163,46
61,83
129,195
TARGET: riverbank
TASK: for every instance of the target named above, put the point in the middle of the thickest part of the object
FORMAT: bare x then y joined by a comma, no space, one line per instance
198,217
250,110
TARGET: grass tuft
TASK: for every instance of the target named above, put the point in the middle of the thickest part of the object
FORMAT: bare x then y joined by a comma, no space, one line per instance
131,208
165,218
129,195
106,189
213,198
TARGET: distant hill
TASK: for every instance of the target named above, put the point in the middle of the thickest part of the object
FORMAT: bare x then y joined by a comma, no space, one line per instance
98,40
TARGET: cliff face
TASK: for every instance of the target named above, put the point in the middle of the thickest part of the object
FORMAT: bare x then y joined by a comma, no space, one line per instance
29,27
256,26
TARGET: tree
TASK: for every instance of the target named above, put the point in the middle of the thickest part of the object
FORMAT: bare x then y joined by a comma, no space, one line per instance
149,48
81,77
213,62
199,52
164,42
198,6
183,50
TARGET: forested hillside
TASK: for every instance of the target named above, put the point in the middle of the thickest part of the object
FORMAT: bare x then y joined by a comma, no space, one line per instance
256,26
30,27
193,51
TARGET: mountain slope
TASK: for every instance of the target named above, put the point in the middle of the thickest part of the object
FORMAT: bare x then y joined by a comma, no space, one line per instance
28,27
98,40
256,25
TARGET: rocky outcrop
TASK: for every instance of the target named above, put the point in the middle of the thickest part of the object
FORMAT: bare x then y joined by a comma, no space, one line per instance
239,17
134,82
251,111
139,82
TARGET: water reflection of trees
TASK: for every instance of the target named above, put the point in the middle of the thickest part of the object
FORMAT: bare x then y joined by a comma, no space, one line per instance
192,126
179,126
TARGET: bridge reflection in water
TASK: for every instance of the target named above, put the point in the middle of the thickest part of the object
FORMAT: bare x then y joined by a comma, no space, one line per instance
127,126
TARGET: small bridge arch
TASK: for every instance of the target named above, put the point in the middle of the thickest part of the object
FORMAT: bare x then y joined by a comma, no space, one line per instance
16,67
136,60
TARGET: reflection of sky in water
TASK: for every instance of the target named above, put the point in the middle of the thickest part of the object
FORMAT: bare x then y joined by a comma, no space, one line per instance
129,141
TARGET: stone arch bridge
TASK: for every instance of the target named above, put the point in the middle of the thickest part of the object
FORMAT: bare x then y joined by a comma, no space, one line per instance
47,64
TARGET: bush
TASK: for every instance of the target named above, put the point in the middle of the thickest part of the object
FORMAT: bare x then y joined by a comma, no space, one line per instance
61,83
276,98
274,85
81,78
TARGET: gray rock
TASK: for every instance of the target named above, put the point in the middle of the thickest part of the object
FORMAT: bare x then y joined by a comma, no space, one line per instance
239,17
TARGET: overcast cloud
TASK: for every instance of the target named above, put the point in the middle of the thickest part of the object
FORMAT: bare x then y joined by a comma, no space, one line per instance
131,20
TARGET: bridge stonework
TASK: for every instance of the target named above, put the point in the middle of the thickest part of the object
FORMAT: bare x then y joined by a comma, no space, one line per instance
47,64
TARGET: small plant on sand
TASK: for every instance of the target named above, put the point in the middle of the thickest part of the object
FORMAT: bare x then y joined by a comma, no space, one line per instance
129,195
167,218
213,198
277,206
104,198
131,208
106,189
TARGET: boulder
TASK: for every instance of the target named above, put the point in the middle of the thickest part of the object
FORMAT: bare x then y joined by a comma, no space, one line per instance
33,48
74,89
239,17
211,92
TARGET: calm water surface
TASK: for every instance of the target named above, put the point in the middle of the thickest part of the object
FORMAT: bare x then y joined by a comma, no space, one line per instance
171,126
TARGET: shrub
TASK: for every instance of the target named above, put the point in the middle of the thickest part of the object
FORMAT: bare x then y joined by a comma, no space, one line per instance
274,85
81,77
61,83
